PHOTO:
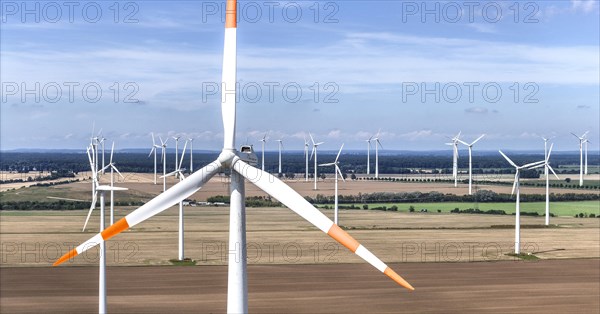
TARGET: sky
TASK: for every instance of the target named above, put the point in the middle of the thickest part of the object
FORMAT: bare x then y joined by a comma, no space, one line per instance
418,71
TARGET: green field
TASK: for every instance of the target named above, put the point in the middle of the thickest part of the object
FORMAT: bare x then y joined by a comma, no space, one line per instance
557,208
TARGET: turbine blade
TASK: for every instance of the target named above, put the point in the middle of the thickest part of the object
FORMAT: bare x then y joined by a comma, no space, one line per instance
151,151
94,198
508,159
294,201
515,183
228,86
462,142
584,134
477,140
117,170
183,154
110,188
554,173
549,152
111,152
311,138
337,168
338,155
153,140
533,164
157,205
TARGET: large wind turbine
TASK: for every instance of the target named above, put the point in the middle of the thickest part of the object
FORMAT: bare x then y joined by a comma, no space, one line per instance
179,172
280,141
102,254
153,150
516,188
471,159
369,154
262,160
113,168
163,159
581,141
315,147
336,170
230,158
547,167
377,144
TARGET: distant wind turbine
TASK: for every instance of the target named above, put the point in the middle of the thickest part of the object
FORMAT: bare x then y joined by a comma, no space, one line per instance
547,167
280,141
305,159
377,145
163,159
263,141
113,168
581,141
471,160
176,138
314,153
153,150
191,154
337,170
179,173
455,157
369,154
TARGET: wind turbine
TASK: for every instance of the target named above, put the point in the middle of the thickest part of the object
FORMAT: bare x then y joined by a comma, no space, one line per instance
179,171
581,141
280,141
153,150
470,160
455,157
191,154
102,140
547,167
337,170
586,142
263,141
230,158
163,159
102,254
176,138
314,153
377,144
112,182
305,159
369,154
516,187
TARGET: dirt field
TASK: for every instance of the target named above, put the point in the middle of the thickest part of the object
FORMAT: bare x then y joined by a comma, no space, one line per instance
279,236
555,286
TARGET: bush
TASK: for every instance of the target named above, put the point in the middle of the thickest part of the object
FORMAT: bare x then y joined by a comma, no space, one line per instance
365,206
411,209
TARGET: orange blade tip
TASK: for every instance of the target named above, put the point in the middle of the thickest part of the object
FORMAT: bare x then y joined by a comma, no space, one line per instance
72,253
399,280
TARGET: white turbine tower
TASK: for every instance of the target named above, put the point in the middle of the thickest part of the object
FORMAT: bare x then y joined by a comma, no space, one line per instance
516,188
377,144
176,138
263,141
369,154
547,168
102,254
315,147
163,159
179,172
231,159
305,159
471,160
581,141
113,168
102,140
586,142
153,150
336,170
191,154
280,147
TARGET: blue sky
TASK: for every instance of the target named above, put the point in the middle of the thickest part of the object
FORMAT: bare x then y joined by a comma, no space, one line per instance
360,66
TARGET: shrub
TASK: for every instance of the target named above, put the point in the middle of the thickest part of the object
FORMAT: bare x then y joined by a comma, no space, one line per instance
411,209
365,206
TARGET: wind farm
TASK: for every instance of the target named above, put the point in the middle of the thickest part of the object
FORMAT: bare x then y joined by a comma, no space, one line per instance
322,224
